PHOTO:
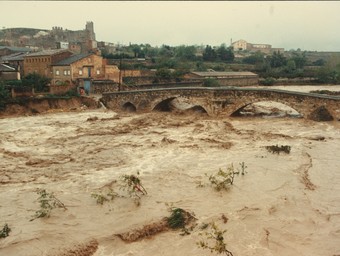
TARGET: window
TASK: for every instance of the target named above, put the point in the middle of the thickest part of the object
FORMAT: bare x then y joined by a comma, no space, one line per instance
69,72
57,72
65,72
98,72
80,72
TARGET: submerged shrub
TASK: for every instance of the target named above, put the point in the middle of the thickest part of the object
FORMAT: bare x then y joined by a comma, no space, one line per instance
276,149
47,203
181,219
133,185
218,245
223,179
177,218
5,231
100,198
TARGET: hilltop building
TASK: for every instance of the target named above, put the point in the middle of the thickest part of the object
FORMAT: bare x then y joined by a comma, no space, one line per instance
79,41
242,45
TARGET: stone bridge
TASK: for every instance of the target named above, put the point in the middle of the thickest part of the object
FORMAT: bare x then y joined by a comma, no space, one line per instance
223,101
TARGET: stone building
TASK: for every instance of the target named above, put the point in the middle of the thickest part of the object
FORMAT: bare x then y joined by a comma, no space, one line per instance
83,67
80,41
41,62
242,45
226,78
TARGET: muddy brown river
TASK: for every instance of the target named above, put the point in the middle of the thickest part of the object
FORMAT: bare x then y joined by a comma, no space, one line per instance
284,204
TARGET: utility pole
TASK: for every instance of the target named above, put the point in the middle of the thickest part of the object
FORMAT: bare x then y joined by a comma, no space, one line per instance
120,70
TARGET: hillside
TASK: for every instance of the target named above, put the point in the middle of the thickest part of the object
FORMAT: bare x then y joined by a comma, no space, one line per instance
17,32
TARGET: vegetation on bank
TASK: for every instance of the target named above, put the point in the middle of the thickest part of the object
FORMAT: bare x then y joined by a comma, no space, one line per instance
173,61
40,85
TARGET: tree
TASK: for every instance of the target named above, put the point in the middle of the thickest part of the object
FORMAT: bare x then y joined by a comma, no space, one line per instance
256,58
150,52
137,51
319,62
164,62
211,82
179,73
163,74
328,76
277,60
299,59
38,82
291,66
4,95
209,54
185,52
166,51
225,54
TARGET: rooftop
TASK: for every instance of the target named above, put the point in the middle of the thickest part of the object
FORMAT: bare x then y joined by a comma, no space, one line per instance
223,74
46,52
6,68
72,59
16,49
14,57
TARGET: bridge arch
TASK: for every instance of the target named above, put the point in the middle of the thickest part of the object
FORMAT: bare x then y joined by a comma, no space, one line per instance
321,113
277,107
164,105
197,109
180,103
242,104
129,107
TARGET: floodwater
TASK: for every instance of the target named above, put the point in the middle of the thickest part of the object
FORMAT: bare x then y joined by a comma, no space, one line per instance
284,204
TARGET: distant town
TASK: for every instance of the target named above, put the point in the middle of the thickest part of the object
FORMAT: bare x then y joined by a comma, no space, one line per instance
64,60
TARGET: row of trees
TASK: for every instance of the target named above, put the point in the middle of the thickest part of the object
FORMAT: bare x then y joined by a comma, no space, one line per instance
182,52
294,65
38,82
221,53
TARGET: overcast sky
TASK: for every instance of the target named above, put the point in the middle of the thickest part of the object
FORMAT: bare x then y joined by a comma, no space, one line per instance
311,25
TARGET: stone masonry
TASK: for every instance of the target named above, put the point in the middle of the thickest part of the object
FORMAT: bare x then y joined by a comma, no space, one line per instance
224,101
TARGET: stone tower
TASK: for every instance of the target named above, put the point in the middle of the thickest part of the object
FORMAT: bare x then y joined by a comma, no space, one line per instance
90,30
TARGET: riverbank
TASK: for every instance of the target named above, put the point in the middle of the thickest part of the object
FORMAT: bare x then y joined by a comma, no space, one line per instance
34,106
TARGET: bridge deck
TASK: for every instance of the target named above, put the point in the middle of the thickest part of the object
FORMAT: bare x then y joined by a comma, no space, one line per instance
322,96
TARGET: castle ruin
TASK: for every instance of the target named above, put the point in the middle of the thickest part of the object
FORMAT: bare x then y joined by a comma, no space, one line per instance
79,41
